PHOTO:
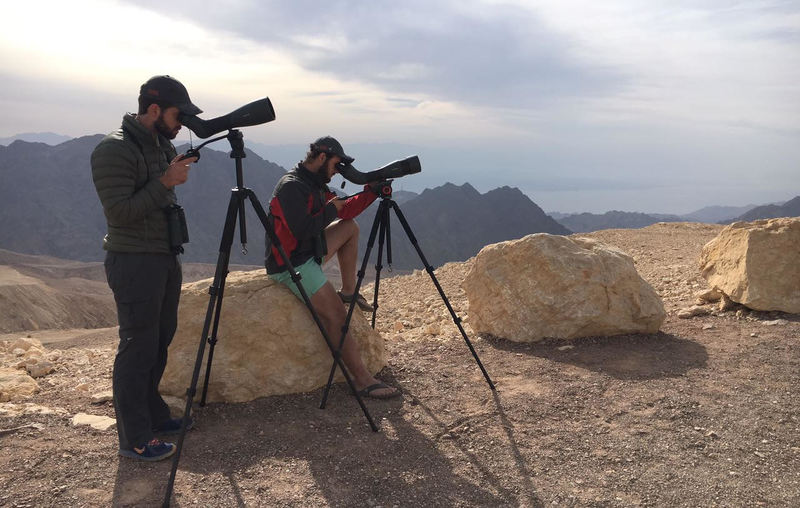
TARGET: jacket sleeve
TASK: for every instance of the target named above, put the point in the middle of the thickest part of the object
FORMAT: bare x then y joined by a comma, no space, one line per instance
294,198
354,205
114,175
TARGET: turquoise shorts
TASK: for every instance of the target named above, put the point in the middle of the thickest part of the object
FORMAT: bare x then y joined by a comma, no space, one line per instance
311,275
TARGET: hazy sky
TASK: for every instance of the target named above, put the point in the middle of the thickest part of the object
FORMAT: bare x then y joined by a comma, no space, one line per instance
656,106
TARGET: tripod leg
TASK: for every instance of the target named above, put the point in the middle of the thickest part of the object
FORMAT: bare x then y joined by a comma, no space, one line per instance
429,269
381,237
388,238
270,230
215,292
373,232
212,340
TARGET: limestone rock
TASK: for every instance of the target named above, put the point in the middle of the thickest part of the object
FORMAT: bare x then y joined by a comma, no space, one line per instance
756,264
16,384
708,296
40,368
94,421
693,311
104,396
726,304
25,343
554,286
268,344
13,410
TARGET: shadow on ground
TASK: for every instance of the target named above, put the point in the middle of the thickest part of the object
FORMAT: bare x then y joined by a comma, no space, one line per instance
628,357
285,451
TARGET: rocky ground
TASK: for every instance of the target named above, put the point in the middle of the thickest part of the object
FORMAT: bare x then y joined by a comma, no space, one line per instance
704,413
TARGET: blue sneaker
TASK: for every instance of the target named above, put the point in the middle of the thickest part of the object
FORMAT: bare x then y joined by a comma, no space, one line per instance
171,426
153,451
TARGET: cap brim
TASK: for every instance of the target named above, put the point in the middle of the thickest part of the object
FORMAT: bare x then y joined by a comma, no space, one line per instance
189,109
346,159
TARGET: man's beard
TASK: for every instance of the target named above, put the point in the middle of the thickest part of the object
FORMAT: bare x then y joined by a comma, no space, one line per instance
163,129
327,174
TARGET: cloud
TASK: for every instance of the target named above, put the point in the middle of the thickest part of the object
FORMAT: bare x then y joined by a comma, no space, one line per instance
471,53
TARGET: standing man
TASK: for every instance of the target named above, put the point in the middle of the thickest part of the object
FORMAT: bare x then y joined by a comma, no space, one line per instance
135,170
313,225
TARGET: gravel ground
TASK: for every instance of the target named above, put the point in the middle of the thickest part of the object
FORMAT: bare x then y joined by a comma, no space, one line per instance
704,413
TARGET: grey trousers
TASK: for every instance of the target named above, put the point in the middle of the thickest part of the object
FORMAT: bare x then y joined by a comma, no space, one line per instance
146,289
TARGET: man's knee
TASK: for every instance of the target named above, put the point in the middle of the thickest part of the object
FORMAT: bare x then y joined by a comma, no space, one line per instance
348,228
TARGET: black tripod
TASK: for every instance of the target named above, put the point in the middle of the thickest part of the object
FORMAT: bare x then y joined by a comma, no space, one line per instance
382,222
236,207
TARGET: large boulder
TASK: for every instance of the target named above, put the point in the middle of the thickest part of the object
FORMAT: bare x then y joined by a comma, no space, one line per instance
756,264
561,287
268,344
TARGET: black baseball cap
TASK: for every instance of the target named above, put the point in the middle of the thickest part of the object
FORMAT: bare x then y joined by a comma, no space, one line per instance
330,146
168,90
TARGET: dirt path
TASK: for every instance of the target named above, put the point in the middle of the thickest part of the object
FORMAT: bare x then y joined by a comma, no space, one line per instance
704,413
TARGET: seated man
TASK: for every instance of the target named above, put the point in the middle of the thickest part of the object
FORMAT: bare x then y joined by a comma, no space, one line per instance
313,225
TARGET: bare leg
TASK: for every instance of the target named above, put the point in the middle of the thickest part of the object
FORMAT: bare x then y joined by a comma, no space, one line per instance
330,308
342,239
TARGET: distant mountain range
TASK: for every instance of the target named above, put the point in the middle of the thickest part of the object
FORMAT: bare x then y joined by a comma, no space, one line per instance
717,214
48,206
453,223
48,138
587,222
789,209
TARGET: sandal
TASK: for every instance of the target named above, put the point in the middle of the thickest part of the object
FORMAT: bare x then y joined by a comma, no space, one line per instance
368,392
362,303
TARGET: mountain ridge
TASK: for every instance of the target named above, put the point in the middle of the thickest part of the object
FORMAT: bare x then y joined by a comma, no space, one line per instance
790,208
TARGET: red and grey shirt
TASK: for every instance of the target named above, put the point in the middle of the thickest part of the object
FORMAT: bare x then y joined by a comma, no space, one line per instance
301,212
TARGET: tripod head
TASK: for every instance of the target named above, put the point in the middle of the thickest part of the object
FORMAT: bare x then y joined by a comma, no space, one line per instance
383,189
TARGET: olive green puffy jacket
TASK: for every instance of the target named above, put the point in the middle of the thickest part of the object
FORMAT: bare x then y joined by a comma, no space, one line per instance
126,167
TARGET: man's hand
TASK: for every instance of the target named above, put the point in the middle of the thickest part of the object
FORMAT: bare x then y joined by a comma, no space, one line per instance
338,203
177,172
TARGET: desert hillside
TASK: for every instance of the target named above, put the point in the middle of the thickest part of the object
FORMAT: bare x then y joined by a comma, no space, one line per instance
44,293
705,412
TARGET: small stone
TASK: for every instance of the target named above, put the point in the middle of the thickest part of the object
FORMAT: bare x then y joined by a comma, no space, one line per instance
726,304
565,348
84,387
709,296
33,353
100,397
40,369
693,311
708,327
433,329
776,322
81,360
399,326
94,421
